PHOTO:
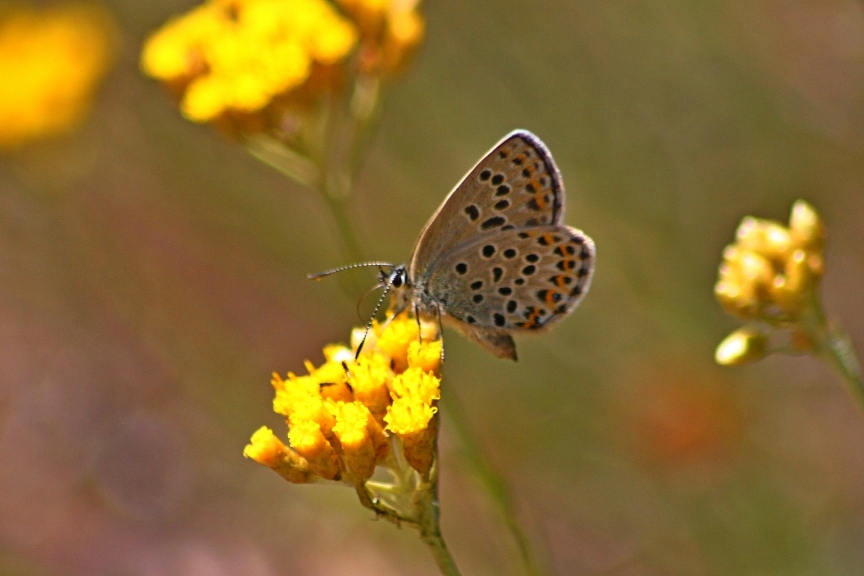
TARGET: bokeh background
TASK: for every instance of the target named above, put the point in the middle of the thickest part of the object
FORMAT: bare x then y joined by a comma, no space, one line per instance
152,276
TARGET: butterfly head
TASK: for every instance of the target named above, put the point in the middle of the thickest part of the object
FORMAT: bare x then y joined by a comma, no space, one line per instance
396,278
398,282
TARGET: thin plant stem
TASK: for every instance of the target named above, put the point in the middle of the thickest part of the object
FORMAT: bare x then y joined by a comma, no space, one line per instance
841,355
432,538
428,512
314,175
833,346
492,481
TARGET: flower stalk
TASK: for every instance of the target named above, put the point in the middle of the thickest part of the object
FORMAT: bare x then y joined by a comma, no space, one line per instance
829,342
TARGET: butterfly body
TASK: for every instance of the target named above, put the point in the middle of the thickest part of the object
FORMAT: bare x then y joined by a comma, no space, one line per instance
495,257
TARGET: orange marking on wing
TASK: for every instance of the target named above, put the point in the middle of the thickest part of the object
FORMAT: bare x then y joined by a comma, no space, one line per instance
532,319
539,197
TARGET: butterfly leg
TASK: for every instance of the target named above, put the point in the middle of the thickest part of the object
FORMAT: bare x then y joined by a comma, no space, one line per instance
440,331
419,327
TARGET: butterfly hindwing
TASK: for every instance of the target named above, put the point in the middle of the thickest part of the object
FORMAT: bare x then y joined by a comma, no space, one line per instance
512,280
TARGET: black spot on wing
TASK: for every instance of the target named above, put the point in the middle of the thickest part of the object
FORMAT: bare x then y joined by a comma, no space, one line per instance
493,222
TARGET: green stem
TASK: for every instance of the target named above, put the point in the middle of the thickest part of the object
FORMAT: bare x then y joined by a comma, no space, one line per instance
839,354
492,481
440,552
430,529
835,348
312,174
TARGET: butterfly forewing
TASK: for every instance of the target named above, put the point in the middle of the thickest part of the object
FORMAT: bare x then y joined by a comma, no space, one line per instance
516,185
520,279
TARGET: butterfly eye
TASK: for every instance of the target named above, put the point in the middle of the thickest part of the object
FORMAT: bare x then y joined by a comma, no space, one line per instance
397,279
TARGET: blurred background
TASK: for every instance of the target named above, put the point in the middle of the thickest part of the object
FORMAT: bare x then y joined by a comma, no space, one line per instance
153,276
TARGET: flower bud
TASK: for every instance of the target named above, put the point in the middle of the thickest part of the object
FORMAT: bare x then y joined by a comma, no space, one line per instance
807,229
741,347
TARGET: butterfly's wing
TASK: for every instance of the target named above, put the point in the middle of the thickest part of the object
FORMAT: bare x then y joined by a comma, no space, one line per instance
515,185
508,281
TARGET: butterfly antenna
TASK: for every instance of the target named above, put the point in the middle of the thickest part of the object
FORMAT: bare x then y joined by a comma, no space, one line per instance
320,275
387,286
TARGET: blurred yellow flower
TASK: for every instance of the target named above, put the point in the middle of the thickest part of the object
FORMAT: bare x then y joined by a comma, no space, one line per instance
51,61
772,271
239,57
390,30
345,415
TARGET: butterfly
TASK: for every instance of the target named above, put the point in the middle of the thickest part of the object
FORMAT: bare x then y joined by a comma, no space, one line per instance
495,258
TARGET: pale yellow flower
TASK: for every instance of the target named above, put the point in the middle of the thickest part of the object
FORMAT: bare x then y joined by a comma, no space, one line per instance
771,271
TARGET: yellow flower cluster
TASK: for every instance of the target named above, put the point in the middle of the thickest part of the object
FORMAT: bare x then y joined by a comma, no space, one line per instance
344,415
240,56
246,63
771,271
51,61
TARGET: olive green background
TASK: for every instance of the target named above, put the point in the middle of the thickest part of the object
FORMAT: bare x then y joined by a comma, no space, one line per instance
152,276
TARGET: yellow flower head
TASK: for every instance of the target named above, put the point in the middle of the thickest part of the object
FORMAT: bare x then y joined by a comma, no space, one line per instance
342,415
51,61
772,270
235,59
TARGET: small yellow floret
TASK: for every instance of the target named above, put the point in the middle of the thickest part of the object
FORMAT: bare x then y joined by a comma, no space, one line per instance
268,450
265,448
807,228
352,429
293,391
414,392
408,415
426,355
351,419
308,440
338,353
395,338
312,409
370,376
415,383
305,436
